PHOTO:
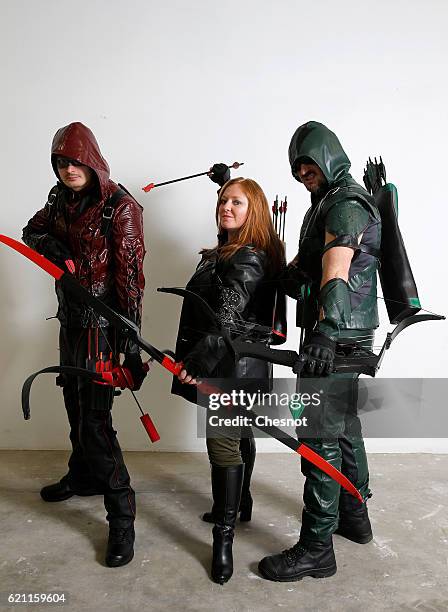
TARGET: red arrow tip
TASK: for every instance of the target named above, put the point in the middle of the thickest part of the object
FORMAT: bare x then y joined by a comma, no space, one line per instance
148,187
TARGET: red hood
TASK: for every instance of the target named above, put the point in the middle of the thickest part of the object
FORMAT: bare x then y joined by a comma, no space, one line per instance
78,142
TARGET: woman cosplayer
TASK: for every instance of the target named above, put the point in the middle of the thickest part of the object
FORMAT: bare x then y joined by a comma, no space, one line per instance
237,279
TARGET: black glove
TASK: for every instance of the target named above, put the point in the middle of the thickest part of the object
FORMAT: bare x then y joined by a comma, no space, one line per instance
220,174
292,279
134,363
54,250
195,367
319,351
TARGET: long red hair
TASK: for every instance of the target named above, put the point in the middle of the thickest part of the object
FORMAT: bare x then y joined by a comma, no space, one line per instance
257,230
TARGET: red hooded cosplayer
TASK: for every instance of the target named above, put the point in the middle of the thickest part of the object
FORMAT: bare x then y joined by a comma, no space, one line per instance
95,229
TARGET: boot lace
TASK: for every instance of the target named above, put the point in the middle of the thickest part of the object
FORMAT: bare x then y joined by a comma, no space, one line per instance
294,553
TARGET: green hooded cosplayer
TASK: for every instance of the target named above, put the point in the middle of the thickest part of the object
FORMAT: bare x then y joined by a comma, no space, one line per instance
342,213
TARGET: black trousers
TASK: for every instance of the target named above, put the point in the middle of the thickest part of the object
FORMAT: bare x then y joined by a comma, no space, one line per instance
96,460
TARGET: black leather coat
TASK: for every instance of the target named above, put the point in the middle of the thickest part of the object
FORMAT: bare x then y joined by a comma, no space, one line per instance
242,294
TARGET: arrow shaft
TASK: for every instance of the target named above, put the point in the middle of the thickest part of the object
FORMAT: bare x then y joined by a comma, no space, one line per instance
235,165
183,178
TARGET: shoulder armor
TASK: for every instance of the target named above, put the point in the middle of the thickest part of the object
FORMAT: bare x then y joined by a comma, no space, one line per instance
352,193
346,217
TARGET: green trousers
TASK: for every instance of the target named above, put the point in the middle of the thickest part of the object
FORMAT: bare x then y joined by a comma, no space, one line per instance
342,446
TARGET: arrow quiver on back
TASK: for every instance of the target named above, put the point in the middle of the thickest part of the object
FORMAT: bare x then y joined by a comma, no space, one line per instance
279,323
279,314
397,281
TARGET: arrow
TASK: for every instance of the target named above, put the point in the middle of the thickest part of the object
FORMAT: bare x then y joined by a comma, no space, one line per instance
150,186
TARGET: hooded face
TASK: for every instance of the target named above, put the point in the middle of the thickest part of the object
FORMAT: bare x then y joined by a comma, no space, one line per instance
313,144
77,143
73,174
311,175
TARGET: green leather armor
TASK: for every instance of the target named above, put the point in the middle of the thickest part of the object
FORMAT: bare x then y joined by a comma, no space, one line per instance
345,210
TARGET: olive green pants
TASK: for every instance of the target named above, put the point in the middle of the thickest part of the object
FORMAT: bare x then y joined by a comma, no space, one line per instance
224,450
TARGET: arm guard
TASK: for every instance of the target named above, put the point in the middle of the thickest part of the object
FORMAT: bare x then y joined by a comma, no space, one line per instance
334,300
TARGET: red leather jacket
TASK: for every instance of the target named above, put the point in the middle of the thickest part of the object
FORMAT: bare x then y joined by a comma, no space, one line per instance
110,267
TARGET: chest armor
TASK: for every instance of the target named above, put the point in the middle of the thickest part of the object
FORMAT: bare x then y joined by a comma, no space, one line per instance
362,279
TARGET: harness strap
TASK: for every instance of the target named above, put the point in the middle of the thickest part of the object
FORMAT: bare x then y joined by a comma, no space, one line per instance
109,210
52,201
350,241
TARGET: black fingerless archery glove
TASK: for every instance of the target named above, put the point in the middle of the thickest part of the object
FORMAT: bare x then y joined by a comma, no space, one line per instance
319,350
220,174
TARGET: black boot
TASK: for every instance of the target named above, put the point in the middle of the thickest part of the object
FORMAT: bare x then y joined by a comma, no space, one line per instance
306,558
120,547
248,452
355,525
64,489
226,487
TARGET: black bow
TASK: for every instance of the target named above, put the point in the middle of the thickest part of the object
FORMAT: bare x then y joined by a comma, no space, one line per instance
130,330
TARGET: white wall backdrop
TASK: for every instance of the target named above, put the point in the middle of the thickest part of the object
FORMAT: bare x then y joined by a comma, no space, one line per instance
170,88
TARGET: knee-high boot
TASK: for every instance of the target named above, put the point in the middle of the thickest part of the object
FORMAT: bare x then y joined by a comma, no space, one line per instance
248,452
226,488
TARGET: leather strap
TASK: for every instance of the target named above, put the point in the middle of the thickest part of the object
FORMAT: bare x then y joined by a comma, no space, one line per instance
109,210
350,241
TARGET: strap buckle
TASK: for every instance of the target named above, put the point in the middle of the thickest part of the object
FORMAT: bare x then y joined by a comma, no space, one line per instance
108,212
51,199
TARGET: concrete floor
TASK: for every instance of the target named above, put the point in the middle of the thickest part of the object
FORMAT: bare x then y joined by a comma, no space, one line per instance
59,548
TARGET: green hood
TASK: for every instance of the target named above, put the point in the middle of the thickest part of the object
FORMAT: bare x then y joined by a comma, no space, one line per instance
315,141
